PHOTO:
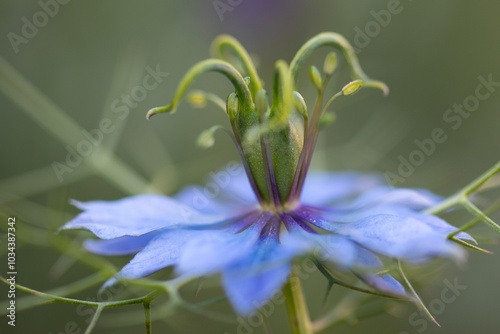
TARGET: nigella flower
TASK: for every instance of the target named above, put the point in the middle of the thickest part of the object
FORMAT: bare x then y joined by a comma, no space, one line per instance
271,210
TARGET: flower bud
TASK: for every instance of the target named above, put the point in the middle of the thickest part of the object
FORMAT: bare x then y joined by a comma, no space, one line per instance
299,104
197,99
206,138
232,106
330,63
315,77
352,87
327,118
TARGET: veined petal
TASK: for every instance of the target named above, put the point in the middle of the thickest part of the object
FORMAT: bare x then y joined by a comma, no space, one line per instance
437,224
161,252
238,188
119,246
381,282
211,251
344,253
324,220
416,199
166,248
330,247
339,250
400,237
201,199
385,283
441,226
225,191
322,188
334,219
253,280
137,215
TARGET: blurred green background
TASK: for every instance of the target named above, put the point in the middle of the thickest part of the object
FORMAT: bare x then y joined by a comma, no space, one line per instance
89,53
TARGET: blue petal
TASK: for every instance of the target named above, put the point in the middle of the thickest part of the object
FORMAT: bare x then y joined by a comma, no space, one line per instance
119,246
134,216
330,247
400,237
338,249
321,188
366,262
163,251
416,199
238,188
344,253
437,224
385,283
200,198
324,220
226,190
212,251
251,282
333,219
381,282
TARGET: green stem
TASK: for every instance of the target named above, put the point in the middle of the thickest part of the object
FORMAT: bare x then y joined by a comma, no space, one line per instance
446,204
466,244
336,40
147,314
95,318
461,196
300,322
478,213
474,185
417,299
228,42
27,302
52,298
209,65
494,207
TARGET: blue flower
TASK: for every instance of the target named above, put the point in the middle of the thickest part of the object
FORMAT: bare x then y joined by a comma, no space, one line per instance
268,212
248,244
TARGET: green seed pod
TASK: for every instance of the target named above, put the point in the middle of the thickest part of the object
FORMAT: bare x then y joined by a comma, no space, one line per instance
248,119
286,146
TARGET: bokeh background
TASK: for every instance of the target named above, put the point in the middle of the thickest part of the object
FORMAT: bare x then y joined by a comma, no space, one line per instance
66,76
